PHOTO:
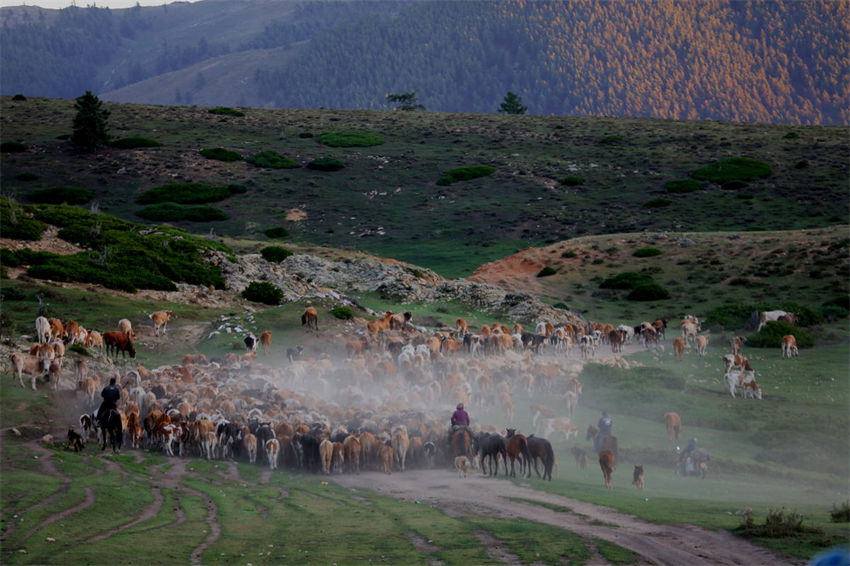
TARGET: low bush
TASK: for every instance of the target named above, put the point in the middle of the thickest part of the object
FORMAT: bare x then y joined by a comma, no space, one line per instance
326,164
17,225
12,147
173,212
770,336
791,136
683,186
802,164
626,280
221,154
237,189
263,292
733,169
19,97
572,181
272,160
278,233
26,176
25,256
832,313
184,193
304,135
777,524
134,143
659,202
546,271
275,254
342,313
840,513
842,301
646,252
569,254
59,195
611,140
350,139
465,174
648,292
225,111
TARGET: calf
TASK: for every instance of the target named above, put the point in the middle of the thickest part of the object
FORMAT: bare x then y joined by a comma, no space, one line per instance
160,321
679,347
702,345
789,346
272,452
251,342
266,341
742,379
737,344
735,361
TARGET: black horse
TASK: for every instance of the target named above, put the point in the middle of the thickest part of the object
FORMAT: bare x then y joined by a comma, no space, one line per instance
111,426
490,447
540,448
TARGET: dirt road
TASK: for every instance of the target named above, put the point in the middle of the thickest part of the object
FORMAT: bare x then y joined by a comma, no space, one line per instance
675,545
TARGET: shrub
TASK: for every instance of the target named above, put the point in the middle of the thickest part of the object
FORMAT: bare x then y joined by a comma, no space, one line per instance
173,212
648,292
272,160
569,254
184,193
610,140
236,189
646,252
572,181
275,254
305,135
770,336
777,524
802,164
19,97
59,195
546,271
832,313
465,174
225,111
278,232
263,292
791,136
660,202
134,143
733,169
682,186
18,225
842,301
841,513
342,313
26,176
350,139
221,154
24,256
12,147
326,164
626,280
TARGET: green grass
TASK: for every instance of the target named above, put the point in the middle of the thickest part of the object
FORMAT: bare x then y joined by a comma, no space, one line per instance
465,174
350,139
733,169
272,160
172,212
221,154
59,195
134,143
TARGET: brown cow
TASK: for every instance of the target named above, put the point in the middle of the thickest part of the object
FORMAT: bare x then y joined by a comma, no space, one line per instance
679,347
117,341
375,326
266,341
310,319
674,425
160,321
27,363
789,346
351,449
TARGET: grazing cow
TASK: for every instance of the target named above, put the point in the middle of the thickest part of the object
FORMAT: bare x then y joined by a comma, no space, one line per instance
789,346
673,423
401,321
310,319
606,463
702,345
75,441
293,354
160,321
737,344
251,342
27,363
272,452
266,341
117,341
742,379
42,330
580,454
772,316
94,339
679,347
124,325
637,477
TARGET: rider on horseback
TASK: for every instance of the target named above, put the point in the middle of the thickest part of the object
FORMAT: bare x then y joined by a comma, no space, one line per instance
605,426
111,394
460,417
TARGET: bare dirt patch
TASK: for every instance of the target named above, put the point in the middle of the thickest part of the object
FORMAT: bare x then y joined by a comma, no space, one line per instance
296,215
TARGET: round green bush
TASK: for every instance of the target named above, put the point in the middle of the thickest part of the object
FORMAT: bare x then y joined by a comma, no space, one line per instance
610,140
184,193
19,97
275,254
326,164
305,135
660,202
770,336
22,228
278,232
465,174
225,111
350,139
791,136
173,212
626,280
342,313
681,186
733,169
272,160
12,147
59,195
646,252
546,271
263,292
648,292
134,143
572,181
569,254
221,154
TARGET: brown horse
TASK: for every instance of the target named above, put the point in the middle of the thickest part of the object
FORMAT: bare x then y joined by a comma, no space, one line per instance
606,462
674,425
542,449
461,443
516,446
605,442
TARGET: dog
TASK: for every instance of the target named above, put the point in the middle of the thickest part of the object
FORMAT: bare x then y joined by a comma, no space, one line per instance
580,455
75,441
637,477
293,354
462,465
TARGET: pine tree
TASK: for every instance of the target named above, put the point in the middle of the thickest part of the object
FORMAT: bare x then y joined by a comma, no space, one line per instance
405,101
512,105
90,128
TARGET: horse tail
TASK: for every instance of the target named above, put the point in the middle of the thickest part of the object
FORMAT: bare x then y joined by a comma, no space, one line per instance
550,460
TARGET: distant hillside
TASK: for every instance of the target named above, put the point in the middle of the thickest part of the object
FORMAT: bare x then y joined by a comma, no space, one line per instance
779,61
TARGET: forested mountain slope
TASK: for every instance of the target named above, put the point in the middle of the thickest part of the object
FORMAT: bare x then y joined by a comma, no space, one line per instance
739,61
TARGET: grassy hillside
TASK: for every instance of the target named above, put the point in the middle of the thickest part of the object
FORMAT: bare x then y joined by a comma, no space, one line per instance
555,177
